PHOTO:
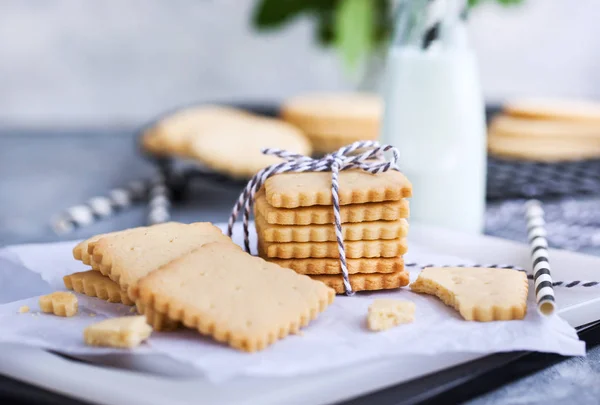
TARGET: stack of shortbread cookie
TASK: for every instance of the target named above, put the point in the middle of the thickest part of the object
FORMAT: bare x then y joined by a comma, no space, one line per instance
294,220
546,130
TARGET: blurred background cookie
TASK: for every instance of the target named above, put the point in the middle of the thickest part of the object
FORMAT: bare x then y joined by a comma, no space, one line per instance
335,120
171,134
235,147
546,130
555,109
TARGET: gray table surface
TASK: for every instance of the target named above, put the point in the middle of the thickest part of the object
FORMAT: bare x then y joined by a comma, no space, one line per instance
43,172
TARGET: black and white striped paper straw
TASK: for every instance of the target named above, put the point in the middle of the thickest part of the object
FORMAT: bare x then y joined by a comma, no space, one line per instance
542,279
159,202
98,208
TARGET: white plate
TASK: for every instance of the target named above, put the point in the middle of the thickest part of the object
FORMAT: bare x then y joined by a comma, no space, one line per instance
154,379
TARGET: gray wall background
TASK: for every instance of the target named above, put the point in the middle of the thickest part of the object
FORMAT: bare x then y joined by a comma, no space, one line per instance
119,62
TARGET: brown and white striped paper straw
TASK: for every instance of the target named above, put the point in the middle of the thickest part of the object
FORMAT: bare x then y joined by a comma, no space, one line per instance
542,279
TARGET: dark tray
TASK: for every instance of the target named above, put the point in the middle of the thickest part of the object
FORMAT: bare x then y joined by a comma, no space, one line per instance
450,386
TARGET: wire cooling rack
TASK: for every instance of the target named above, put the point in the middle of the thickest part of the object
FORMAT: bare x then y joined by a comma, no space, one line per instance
507,179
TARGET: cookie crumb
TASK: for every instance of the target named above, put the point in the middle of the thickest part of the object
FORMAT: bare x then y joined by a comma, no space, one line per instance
23,309
386,313
125,332
59,303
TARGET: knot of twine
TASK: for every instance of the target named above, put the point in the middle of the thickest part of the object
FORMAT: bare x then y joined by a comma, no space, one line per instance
364,155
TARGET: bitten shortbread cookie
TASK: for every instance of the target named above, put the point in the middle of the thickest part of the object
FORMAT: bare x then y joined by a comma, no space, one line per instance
220,290
387,313
94,284
323,214
236,148
59,303
365,282
291,190
376,230
332,266
125,332
354,249
478,294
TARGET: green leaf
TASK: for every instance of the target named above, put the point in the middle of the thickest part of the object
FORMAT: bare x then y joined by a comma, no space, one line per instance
269,14
354,30
324,27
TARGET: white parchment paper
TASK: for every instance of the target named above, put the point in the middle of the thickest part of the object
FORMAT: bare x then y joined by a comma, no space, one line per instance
337,338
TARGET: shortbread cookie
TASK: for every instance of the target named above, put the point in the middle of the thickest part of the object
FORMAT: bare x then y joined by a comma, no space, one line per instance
387,313
375,230
312,266
335,120
543,149
478,294
237,149
80,251
365,282
172,133
126,332
94,284
555,109
323,214
128,256
525,128
355,249
291,190
59,303
219,290
159,322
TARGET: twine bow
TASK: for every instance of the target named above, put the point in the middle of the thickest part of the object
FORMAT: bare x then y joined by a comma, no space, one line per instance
364,155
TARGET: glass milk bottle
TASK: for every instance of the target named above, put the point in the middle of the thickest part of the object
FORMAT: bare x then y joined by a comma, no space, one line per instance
435,114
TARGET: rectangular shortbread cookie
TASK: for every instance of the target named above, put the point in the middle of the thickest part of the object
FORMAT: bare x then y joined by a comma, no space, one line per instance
365,282
354,249
126,332
127,256
332,266
219,290
478,294
94,284
80,251
323,214
375,230
291,190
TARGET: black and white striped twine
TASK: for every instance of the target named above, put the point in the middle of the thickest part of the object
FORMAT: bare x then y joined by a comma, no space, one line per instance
364,155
